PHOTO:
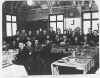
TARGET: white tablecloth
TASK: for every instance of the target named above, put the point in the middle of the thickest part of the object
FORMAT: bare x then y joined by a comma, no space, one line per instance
80,64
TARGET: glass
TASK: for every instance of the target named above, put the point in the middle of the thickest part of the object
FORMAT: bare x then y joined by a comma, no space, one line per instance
53,18
8,17
60,26
72,23
14,27
94,25
59,17
86,26
8,29
95,15
53,25
86,16
14,18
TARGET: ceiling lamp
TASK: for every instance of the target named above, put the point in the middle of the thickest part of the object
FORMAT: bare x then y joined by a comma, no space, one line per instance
90,4
29,2
44,6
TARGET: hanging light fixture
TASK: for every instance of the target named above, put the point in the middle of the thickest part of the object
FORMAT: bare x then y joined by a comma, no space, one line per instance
90,4
29,2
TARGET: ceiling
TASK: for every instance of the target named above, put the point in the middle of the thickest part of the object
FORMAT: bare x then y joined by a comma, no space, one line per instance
40,9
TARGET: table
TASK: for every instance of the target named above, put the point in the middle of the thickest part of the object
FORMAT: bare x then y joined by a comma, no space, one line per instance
80,64
8,56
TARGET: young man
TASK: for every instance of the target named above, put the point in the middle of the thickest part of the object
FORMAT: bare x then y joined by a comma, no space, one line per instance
21,57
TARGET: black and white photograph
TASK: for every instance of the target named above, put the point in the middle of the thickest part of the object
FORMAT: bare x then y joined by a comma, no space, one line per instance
50,37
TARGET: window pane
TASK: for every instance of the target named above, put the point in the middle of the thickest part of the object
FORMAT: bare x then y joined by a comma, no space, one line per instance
86,26
53,25
94,25
86,16
72,23
14,27
60,26
14,18
8,17
94,15
59,17
8,29
53,18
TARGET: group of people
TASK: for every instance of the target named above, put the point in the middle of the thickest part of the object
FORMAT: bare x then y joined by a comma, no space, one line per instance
36,58
46,36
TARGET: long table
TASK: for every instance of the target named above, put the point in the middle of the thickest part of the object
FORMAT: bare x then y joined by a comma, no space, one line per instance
88,58
80,64
8,56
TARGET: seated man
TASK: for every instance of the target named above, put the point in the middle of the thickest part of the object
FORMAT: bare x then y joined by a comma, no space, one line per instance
23,35
90,40
95,37
21,57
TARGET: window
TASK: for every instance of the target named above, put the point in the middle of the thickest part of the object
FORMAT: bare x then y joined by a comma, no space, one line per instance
8,18
53,18
8,25
14,27
60,17
53,25
72,23
92,19
86,26
11,25
60,26
95,25
56,22
94,15
87,16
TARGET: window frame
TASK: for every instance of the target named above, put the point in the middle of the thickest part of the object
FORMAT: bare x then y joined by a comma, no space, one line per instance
11,22
91,19
57,21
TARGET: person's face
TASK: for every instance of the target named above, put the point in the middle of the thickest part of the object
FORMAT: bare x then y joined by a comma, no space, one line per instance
30,32
28,38
14,42
17,39
17,33
48,36
36,42
21,45
57,36
73,33
89,31
64,32
85,38
37,32
40,29
23,31
29,43
95,33
44,32
80,33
